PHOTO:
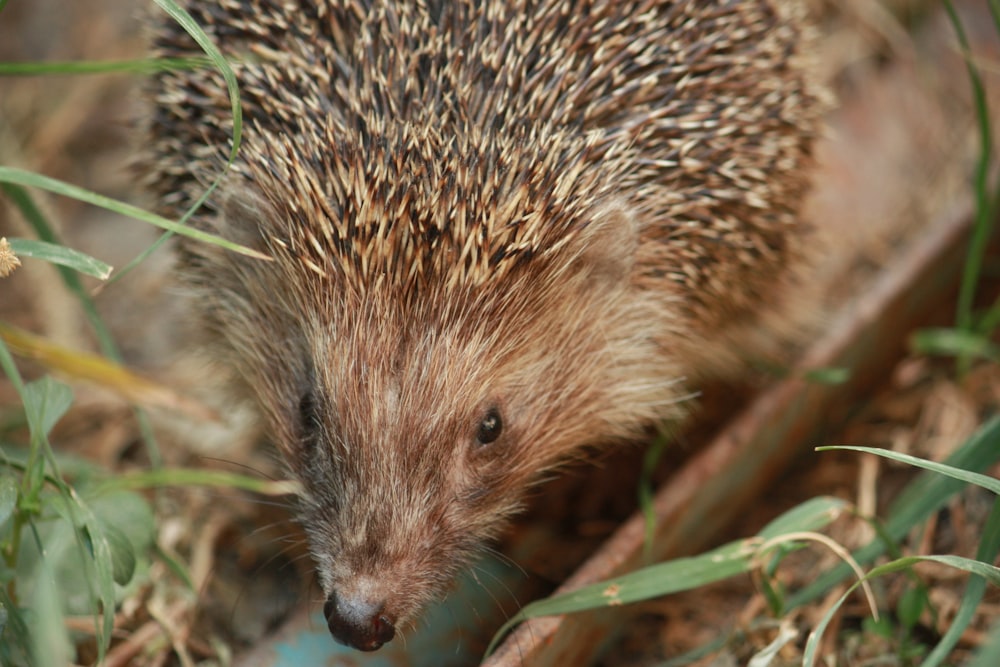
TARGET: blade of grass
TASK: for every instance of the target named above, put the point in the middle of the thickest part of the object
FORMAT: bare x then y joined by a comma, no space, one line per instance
677,575
991,319
954,343
15,176
989,547
100,371
984,209
927,494
75,67
645,491
811,515
215,56
148,479
61,255
33,215
985,481
974,567
204,41
989,654
682,573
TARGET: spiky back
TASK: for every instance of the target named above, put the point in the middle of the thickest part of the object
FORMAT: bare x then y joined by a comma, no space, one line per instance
450,142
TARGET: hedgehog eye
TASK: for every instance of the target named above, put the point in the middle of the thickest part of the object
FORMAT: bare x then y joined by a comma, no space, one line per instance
490,427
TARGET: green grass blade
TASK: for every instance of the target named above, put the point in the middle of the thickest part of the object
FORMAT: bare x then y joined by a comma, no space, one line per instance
677,575
75,67
974,567
204,41
681,574
985,481
28,179
954,343
927,494
812,515
970,565
646,492
830,376
984,208
61,255
165,477
990,319
989,654
217,59
989,547
33,215
10,369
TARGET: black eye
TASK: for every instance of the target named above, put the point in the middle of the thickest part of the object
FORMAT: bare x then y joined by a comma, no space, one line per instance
490,428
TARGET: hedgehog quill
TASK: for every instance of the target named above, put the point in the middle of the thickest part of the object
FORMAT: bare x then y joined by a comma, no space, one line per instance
502,230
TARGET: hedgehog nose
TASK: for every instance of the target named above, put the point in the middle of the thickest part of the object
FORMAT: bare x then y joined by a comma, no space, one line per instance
358,623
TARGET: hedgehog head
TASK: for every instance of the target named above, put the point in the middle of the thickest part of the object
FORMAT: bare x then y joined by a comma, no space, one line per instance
433,333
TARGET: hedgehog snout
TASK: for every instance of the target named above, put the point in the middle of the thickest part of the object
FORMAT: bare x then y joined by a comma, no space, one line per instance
358,622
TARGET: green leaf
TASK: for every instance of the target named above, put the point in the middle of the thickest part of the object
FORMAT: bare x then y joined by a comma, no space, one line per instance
122,554
8,495
129,526
62,256
80,554
985,481
104,573
883,627
15,637
50,643
911,605
46,400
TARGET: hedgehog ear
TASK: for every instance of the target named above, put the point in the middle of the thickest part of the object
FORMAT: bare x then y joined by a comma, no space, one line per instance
245,217
607,246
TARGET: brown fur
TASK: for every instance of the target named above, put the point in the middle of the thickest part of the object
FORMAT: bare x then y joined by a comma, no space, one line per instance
562,210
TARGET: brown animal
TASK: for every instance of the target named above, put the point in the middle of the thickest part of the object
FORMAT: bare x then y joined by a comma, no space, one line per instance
502,230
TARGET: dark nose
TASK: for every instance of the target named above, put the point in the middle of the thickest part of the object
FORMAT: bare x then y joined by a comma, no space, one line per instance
358,623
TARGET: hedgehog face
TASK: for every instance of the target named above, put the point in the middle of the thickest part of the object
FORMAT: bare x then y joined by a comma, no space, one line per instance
417,412
413,448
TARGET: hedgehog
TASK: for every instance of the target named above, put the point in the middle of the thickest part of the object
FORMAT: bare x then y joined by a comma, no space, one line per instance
502,232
